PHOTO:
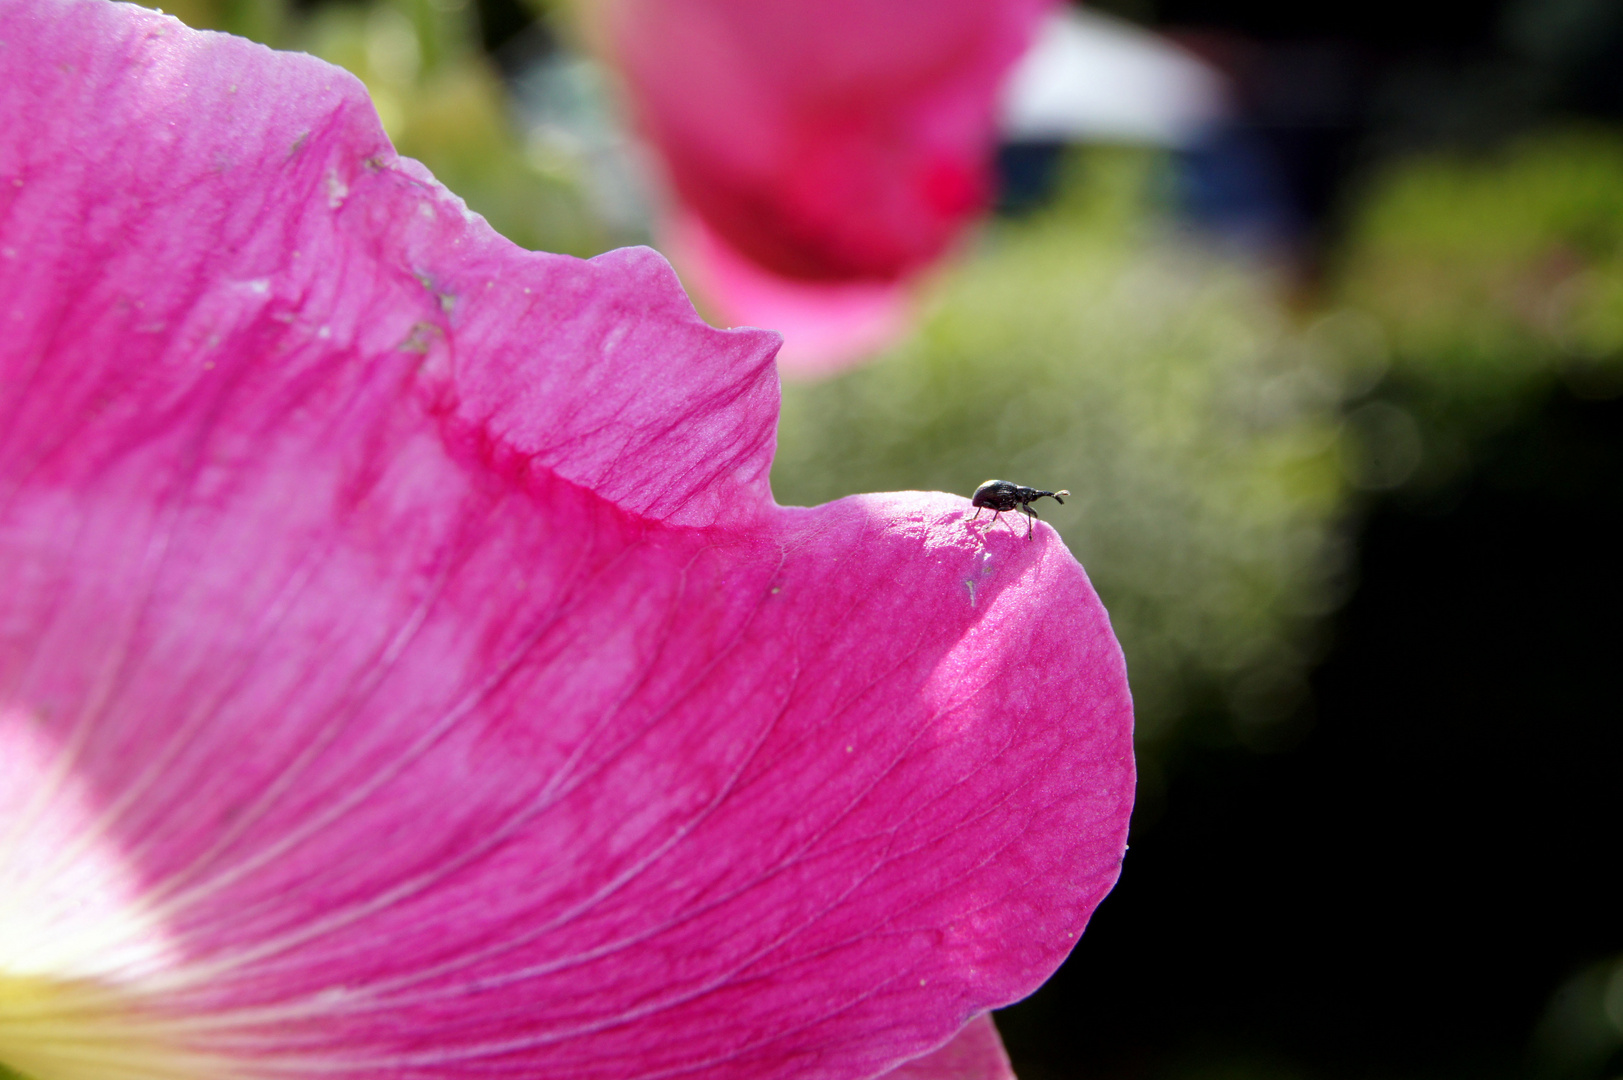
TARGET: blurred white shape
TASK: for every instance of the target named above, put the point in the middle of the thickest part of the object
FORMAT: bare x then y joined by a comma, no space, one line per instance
1090,77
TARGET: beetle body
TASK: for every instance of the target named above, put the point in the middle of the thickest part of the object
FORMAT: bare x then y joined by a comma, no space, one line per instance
1000,496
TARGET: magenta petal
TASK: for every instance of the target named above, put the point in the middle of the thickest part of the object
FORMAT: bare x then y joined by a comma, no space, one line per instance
975,1053
826,141
409,615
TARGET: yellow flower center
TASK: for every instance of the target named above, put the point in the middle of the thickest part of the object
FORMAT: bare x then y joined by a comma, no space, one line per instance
51,1030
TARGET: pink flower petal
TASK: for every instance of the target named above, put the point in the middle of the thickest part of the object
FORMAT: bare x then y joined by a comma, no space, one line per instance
398,627
827,326
831,141
975,1053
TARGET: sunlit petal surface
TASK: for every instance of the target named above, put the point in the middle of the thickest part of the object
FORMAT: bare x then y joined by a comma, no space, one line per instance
975,1053
404,670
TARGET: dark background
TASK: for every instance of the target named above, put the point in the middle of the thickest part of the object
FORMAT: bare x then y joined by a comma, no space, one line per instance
1401,893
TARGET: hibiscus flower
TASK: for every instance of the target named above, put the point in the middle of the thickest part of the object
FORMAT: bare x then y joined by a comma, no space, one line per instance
404,669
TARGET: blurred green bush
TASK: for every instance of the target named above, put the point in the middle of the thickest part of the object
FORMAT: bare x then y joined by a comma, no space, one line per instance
1494,277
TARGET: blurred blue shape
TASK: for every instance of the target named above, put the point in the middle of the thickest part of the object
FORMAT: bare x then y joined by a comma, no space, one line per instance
1230,182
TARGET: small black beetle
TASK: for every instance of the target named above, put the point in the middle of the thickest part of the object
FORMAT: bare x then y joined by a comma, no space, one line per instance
1001,495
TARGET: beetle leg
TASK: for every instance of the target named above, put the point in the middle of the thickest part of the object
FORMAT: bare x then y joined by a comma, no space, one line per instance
977,516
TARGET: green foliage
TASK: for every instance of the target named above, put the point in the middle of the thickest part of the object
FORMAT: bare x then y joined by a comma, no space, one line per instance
1166,387
1494,275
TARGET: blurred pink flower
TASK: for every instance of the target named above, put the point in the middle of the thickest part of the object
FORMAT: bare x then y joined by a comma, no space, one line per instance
827,326
405,672
841,143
